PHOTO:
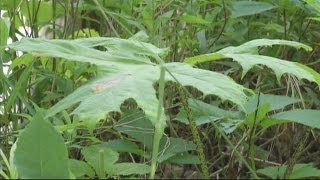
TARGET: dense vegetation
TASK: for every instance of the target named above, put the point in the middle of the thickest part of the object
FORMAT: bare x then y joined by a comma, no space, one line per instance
159,89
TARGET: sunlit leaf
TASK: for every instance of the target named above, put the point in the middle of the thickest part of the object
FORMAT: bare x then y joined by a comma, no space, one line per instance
130,74
247,56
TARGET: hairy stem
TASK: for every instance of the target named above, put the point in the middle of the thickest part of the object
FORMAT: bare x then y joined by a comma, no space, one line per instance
195,134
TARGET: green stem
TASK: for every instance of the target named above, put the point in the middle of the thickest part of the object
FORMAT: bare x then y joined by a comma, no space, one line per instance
159,126
195,134
101,172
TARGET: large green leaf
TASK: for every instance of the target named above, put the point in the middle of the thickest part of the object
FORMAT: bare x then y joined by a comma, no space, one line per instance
245,8
299,171
108,93
130,74
40,151
80,50
306,117
247,56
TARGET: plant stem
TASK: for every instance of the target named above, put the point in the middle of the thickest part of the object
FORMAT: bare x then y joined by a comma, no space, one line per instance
195,134
101,174
159,126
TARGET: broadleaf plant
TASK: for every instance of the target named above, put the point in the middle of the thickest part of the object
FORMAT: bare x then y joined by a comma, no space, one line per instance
40,151
127,71
247,56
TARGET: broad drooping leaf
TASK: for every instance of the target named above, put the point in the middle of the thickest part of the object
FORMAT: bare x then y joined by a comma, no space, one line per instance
128,73
40,151
247,56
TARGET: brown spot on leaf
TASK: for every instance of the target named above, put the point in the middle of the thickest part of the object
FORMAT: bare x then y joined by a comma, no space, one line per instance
100,86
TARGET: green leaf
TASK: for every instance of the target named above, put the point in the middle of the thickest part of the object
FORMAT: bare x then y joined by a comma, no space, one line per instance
44,12
137,83
4,34
280,67
314,3
169,147
306,117
192,19
122,145
128,169
80,168
247,56
315,18
81,50
25,59
275,101
210,83
20,85
250,47
92,156
130,74
245,8
268,122
9,4
204,113
40,151
134,124
253,45
299,171
255,118
184,158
